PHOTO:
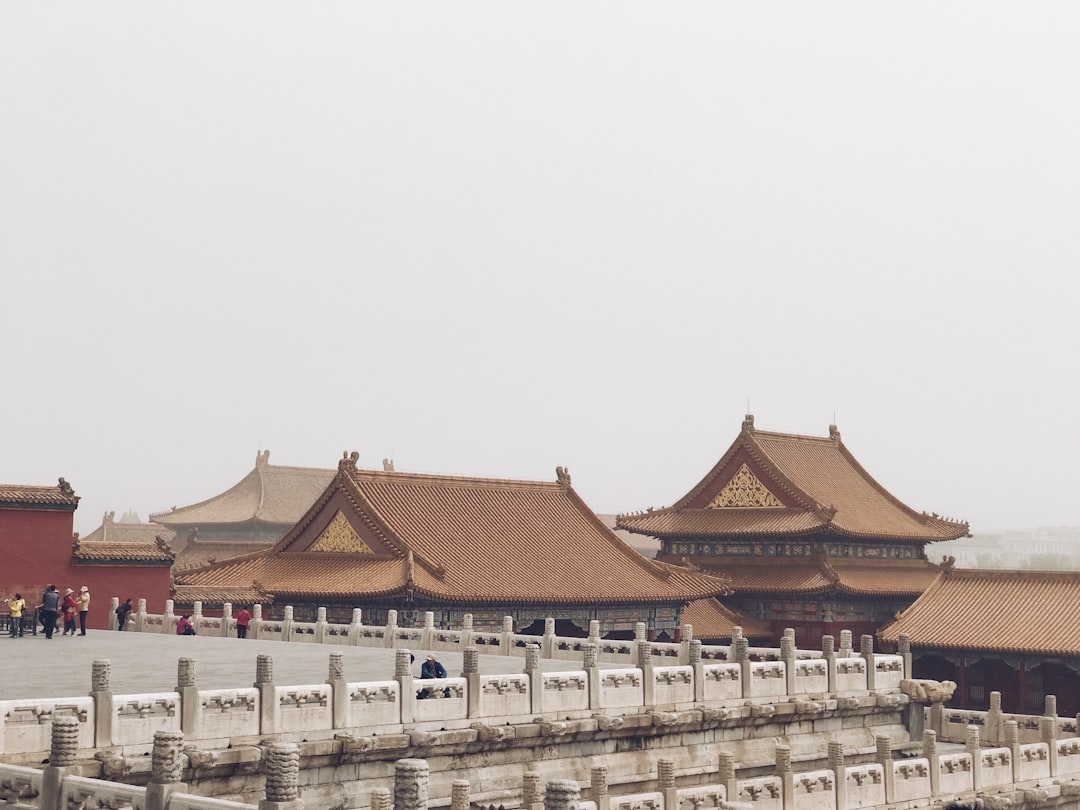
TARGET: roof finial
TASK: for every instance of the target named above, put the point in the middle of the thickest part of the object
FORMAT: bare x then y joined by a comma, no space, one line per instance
348,460
748,422
262,458
834,434
562,475
65,487
388,465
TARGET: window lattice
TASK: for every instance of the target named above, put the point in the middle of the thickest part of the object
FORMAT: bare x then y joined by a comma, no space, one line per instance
339,535
745,491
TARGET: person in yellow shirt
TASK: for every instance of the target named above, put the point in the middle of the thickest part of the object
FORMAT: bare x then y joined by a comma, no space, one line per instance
15,608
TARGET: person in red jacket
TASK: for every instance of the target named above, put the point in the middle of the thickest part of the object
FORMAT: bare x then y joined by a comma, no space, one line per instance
68,608
243,619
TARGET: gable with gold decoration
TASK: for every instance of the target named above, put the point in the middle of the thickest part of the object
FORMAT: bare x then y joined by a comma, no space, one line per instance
339,536
744,491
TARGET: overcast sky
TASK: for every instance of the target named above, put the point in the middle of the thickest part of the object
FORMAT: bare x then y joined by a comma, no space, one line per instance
493,238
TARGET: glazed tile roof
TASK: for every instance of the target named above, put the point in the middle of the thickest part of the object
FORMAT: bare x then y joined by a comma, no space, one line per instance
1019,612
713,622
184,595
99,551
473,540
781,484
113,531
21,496
198,553
268,494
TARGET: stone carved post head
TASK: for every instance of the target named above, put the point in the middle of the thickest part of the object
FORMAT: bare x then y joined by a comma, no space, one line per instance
903,644
687,633
532,657
1050,709
282,772
65,741
141,606
382,799
736,632
929,744
391,618
1012,733
470,661
644,654
787,647
99,676
429,623
665,773
226,610
288,613
789,632
320,615
402,660
883,746
866,645
641,631
695,651
828,645
530,788
197,609
594,628
591,653
598,779
783,759
549,626
845,641
562,794
256,612
740,649
185,672
459,795
167,758
356,616
727,766
508,624
836,756
264,669
411,784
337,666
466,622
995,701
169,607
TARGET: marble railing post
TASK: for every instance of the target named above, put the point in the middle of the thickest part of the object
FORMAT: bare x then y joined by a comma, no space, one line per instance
190,704
930,751
140,616
411,784
532,797
114,603
466,631
390,631
335,677
547,642
866,651
506,643
168,621
686,636
282,778
594,631
787,656
102,694
974,749
726,775
845,644
536,678
65,744
320,625
641,636
256,621
665,782
226,619
287,623
828,652
196,617
648,679
836,763
382,799
264,682
787,777
166,769
403,675
1048,734
598,787
562,794
459,794
903,647
592,672
428,630
695,661
884,759
470,663
740,654
354,627
1050,706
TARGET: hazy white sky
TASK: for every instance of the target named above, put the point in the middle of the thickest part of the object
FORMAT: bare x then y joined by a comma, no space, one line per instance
493,238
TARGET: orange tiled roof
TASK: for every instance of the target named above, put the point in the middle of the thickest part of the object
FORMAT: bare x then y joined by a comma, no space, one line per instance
713,622
198,553
22,496
459,539
184,595
1020,612
121,552
113,531
269,494
806,485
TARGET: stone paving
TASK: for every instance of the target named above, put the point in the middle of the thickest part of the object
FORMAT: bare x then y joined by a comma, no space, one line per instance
34,667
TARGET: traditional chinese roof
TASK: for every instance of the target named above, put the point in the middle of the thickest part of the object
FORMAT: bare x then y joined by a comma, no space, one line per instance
268,494
714,622
127,531
21,496
820,574
104,552
214,597
785,485
1024,612
455,539
198,553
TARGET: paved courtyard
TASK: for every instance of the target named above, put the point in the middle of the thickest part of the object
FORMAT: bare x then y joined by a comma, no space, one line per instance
146,662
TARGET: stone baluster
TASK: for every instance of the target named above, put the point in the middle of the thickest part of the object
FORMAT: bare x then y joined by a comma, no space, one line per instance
686,636
404,676
506,642
102,694
845,644
883,756
282,778
320,626
594,631
166,769
428,632
354,632
197,617
390,631
740,654
648,677
930,751
190,702
641,636
256,621
140,616
114,603
532,797
974,750
1048,734
787,657
903,647
411,784
665,782
226,619
726,775
598,787
335,677
828,652
1050,706
547,642
836,765
536,678
264,682
993,730
592,673
466,639
470,662
61,763
698,666
866,652
459,794
382,799
168,621
562,794
787,776
287,624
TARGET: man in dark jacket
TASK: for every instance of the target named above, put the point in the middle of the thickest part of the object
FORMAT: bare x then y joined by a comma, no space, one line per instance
50,603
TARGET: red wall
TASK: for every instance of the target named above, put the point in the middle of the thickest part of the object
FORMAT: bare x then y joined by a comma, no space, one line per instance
106,581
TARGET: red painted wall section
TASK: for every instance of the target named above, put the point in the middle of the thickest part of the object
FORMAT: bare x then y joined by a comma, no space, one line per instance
122,581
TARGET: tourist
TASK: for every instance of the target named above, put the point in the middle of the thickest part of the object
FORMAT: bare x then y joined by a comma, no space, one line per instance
122,613
83,600
67,609
184,627
15,608
431,669
50,604
243,619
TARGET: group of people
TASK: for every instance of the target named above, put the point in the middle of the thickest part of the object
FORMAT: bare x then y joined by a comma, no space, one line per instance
185,627
54,607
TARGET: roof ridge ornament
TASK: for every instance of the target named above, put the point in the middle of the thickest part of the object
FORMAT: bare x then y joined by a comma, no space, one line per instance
388,465
66,488
262,458
348,460
562,476
948,564
834,434
748,423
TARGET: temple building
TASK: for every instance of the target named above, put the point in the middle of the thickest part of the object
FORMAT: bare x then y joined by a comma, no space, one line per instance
381,540
250,516
807,538
1013,632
